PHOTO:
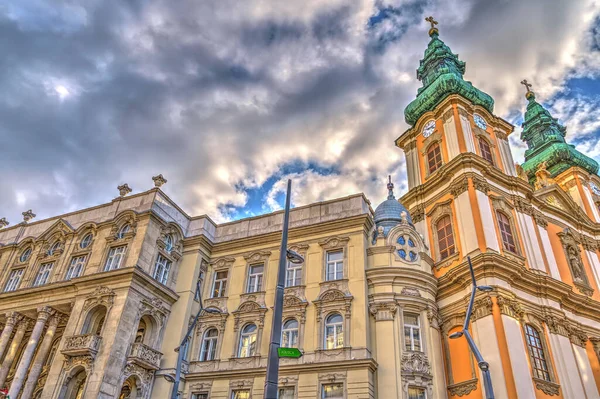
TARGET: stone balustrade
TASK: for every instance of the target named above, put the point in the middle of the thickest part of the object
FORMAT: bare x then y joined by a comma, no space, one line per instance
86,344
144,356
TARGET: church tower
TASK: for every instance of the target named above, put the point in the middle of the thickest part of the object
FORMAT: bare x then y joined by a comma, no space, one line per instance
530,232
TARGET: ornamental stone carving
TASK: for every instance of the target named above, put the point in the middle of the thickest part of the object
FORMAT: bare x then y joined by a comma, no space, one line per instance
540,219
549,388
241,384
578,337
100,296
509,307
557,325
417,214
85,344
85,360
459,186
334,242
249,311
28,215
124,189
481,184
522,205
3,222
415,362
411,291
482,307
158,180
462,388
135,369
332,377
155,308
383,310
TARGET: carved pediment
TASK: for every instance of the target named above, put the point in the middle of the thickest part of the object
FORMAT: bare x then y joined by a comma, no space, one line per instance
222,263
248,306
100,296
332,295
334,242
58,231
557,198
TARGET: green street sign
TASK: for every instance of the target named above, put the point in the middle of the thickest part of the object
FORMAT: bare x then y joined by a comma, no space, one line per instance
289,352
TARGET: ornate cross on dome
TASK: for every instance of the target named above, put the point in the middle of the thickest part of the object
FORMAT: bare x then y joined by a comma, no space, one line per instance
432,21
527,85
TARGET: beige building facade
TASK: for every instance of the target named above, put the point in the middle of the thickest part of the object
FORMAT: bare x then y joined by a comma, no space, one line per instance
94,302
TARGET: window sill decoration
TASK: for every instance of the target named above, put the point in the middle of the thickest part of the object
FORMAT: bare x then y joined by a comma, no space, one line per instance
462,388
549,388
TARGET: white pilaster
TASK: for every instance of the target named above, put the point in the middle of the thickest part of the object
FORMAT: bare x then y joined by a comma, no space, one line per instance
588,197
507,159
485,337
532,249
585,370
451,138
553,266
468,133
566,365
466,224
489,230
518,357
595,265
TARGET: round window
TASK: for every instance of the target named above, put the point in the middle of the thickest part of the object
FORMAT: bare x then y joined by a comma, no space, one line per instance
87,240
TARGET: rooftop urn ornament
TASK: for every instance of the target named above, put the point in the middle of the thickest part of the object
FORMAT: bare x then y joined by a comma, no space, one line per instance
390,187
124,189
433,30
28,215
530,94
159,180
3,222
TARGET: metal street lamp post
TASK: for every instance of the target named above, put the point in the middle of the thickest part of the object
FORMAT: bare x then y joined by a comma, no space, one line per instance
186,338
294,257
483,365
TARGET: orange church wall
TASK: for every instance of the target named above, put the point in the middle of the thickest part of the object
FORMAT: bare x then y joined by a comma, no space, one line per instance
594,363
462,365
590,275
477,217
559,254
584,198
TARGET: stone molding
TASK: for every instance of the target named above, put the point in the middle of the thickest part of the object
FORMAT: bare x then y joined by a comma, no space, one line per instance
335,242
82,345
144,356
201,386
411,291
249,311
482,307
459,186
415,362
241,383
417,214
462,388
549,388
288,380
383,311
332,377
540,219
102,295
522,205
481,184
153,307
510,307
257,257
222,263
578,337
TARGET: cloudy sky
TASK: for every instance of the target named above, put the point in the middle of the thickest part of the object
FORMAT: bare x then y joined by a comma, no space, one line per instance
229,98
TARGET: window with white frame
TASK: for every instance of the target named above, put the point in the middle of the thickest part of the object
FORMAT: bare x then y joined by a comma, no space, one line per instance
289,334
255,277
25,255
219,284
332,391
87,240
75,267
293,275
123,230
13,280
43,274
202,395
335,265
412,332
286,393
240,394
162,269
114,258
334,331
416,393
209,345
248,341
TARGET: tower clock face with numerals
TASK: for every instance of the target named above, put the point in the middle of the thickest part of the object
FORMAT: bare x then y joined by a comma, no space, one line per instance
428,129
480,122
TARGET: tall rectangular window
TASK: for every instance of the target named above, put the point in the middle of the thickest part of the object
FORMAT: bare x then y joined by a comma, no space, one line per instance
255,278
219,285
332,391
43,274
335,265
203,395
240,394
75,267
416,393
286,393
13,280
412,332
293,274
114,258
162,269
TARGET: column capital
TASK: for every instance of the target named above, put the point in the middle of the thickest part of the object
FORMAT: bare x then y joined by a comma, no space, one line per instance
383,310
13,318
44,312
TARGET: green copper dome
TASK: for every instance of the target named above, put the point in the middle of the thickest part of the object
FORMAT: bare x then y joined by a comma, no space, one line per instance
545,139
442,75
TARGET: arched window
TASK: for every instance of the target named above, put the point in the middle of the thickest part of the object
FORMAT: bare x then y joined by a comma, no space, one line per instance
508,240
54,248
434,157
86,241
536,353
168,243
25,255
141,332
445,237
289,334
334,331
94,321
124,230
248,341
209,345
486,151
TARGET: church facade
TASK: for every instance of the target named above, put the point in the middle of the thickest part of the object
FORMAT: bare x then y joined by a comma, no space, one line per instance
94,302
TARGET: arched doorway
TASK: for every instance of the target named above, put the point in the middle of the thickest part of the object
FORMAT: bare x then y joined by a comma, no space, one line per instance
131,389
74,387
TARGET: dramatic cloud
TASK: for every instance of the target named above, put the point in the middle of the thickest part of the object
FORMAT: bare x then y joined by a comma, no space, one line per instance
228,99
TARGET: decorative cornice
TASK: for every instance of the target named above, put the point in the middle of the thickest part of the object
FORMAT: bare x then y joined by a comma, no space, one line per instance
481,184
459,186
510,307
383,310
557,325
540,219
482,307
578,337
523,205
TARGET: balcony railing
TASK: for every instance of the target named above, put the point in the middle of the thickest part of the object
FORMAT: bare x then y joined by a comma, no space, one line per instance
144,356
86,344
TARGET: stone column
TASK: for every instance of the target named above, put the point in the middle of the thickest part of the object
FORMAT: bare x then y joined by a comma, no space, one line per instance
21,373
12,350
388,353
12,318
40,358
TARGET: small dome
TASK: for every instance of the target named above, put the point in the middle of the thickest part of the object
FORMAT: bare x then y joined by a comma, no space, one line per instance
389,213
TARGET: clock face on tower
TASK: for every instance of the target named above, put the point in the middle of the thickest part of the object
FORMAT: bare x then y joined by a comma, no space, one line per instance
479,121
428,129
